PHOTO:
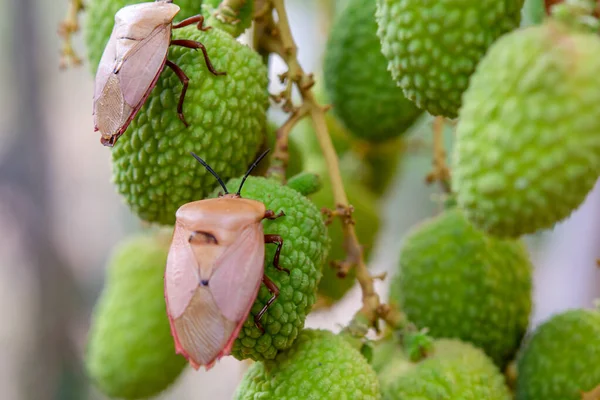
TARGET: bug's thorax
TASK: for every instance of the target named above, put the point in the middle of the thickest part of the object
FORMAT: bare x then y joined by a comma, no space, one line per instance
147,15
223,217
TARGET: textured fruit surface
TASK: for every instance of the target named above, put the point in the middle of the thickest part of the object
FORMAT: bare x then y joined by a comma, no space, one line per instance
361,89
433,46
320,365
130,351
562,357
454,370
235,23
528,141
152,166
100,19
305,248
462,284
367,220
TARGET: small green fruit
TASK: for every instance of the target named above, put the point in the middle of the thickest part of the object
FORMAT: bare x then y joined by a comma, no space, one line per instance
453,370
320,365
100,19
226,19
561,359
130,352
152,166
305,248
528,141
363,93
433,47
460,283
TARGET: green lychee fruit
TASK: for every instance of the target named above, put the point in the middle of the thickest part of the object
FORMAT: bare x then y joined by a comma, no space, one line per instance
363,93
152,167
461,283
305,248
433,46
130,351
320,365
528,141
218,15
100,19
561,359
453,370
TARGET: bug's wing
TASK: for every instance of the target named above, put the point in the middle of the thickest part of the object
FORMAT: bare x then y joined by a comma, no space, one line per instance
123,84
214,314
238,274
142,64
106,66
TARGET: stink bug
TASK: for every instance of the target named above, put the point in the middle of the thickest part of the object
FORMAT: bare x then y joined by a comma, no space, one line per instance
133,59
214,270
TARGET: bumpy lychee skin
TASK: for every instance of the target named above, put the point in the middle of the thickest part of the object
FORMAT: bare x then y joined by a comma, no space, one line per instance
528,141
361,89
433,46
152,166
233,22
463,284
561,358
130,352
100,19
305,248
320,365
454,370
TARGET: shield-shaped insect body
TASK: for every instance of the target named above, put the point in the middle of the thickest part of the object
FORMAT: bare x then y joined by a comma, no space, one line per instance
214,270
134,57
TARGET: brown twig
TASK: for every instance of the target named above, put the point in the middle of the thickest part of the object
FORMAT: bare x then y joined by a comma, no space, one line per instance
593,394
276,37
66,29
280,157
441,172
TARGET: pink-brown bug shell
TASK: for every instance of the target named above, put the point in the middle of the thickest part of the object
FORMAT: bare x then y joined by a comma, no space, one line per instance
132,61
214,270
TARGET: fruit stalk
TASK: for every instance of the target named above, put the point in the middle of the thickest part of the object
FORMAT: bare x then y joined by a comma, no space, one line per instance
227,10
66,29
441,172
594,394
281,153
277,38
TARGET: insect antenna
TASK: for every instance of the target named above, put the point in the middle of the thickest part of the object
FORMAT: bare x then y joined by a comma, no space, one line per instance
254,164
209,169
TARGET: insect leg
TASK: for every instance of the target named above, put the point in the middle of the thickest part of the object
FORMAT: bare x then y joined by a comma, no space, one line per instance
270,214
192,20
279,240
197,45
184,81
275,291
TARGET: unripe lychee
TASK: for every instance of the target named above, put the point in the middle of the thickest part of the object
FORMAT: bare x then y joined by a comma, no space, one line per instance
305,248
460,283
130,352
152,167
320,365
433,47
362,91
528,140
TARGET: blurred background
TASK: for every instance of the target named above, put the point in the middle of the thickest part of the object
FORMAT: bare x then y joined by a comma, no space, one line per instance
60,216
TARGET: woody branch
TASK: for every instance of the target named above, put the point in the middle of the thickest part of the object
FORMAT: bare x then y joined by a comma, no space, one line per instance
276,37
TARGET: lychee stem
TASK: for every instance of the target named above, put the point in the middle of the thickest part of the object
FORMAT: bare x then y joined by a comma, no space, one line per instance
66,29
276,37
441,172
593,394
